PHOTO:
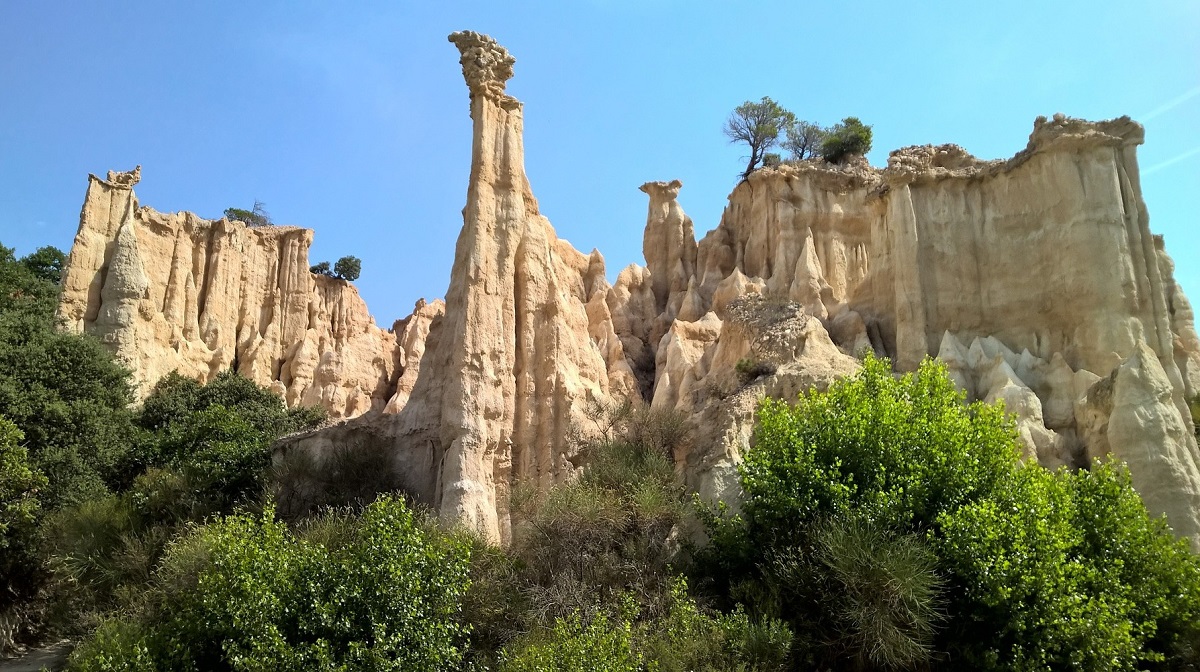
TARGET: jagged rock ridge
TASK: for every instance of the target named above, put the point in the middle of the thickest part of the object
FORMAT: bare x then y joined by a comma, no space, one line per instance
175,292
1003,269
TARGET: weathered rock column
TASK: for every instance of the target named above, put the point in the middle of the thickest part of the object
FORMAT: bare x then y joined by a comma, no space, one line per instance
477,403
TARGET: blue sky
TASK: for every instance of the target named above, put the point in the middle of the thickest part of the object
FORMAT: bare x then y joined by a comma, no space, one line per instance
351,118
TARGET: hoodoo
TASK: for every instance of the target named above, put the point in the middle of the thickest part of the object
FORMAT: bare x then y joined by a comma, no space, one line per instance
1036,279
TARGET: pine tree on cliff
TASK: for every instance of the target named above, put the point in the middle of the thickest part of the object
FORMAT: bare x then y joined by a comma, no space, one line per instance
758,125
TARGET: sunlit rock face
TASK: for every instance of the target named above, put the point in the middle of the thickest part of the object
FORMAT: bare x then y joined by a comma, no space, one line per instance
1032,278
175,292
1036,280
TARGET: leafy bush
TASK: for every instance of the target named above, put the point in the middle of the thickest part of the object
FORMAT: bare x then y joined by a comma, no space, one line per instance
255,217
849,138
896,452
380,592
804,140
859,593
63,391
347,268
19,485
584,547
688,638
1062,569
176,398
209,452
576,645
858,499
19,513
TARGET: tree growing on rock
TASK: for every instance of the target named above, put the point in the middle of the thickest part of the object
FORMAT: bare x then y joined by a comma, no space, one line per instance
848,138
255,217
758,125
347,268
804,140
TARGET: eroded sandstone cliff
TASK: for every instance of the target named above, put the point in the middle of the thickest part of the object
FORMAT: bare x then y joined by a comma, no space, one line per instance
1036,279
175,292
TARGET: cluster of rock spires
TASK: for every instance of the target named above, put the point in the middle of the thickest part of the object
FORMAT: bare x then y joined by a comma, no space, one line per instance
1036,280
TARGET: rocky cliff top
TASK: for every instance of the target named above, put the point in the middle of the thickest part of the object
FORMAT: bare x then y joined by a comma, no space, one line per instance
486,65
1034,278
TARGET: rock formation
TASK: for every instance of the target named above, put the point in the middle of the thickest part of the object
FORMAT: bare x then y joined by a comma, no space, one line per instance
1032,278
1036,280
174,292
527,338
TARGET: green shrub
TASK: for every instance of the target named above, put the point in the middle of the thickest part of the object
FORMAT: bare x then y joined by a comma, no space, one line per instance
862,594
255,217
20,573
347,268
19,485
688,638
63,391
1067,570
379,592
585,545
1042,570
574,644
895,452
849,138
203,459
177,398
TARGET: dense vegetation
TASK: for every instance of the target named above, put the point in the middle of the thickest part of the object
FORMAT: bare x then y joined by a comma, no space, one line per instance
892,525
346,268
886,524
759,126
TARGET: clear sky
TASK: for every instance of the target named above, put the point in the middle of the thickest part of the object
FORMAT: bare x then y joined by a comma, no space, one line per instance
351,118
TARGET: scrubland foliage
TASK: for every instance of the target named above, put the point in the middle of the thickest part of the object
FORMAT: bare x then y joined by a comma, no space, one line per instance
885,525
894,527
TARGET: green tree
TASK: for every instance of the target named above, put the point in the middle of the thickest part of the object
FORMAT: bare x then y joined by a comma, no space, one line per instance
1062,570
347,268
255,217
63,391
321,268
804,140
176,399
378,592
893,451
207,452
19,514
19,485
849,138
46,263
758,125
576,645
